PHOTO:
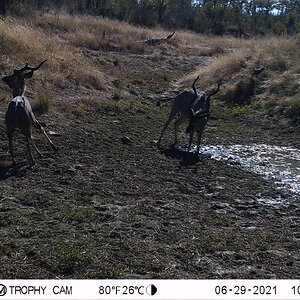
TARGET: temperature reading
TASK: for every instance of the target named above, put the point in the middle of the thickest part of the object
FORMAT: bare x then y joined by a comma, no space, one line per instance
127,290
107,290
130,290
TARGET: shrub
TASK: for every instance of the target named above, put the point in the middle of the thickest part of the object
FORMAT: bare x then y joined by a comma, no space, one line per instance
285,85
278,28
118,95
293,109
42,102
241,92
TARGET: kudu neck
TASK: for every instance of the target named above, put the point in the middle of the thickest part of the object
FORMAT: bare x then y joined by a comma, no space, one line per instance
18,91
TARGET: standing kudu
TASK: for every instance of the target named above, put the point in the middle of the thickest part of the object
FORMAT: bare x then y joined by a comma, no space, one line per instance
19,113
193,106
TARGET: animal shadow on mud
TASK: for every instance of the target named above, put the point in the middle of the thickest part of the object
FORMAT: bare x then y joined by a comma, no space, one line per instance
7,171
186,158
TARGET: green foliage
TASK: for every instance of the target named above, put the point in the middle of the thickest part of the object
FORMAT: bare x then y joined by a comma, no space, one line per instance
81,215
68,258
278,28
238,17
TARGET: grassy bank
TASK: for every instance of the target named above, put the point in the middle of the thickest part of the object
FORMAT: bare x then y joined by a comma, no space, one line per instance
82,53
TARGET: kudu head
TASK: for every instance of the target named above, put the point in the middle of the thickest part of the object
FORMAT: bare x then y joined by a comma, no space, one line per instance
199,117
16,81
206,109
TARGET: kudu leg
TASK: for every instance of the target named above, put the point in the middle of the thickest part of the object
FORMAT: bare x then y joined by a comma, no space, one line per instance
31,144
10,129
200,131
48,139
171,117
29,149
11,149
177,123
44,132
162,132
190,140
199,141
36,149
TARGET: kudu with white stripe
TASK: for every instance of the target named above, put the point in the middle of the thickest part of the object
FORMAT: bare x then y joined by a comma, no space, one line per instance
193,106
19,113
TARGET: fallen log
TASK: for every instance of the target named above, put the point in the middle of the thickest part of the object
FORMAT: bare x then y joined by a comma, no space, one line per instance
153,42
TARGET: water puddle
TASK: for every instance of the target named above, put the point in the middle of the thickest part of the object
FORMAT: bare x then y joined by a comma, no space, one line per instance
281,164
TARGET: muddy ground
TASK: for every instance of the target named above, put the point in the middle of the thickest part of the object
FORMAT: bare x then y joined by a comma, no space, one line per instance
108,207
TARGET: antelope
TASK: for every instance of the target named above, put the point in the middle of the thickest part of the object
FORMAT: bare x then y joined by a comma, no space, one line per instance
19,113
193,106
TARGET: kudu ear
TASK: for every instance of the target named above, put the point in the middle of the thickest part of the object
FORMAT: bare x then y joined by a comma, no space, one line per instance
28,75
7,80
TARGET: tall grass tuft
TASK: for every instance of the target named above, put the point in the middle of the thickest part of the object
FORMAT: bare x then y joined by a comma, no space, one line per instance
43,101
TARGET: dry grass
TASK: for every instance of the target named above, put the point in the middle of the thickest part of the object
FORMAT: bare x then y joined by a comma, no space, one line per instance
223,67
30,41
62,39
43,100
226,42
32,44
100,33
274,53
68,41
27,43
277,54
280,55
95,25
